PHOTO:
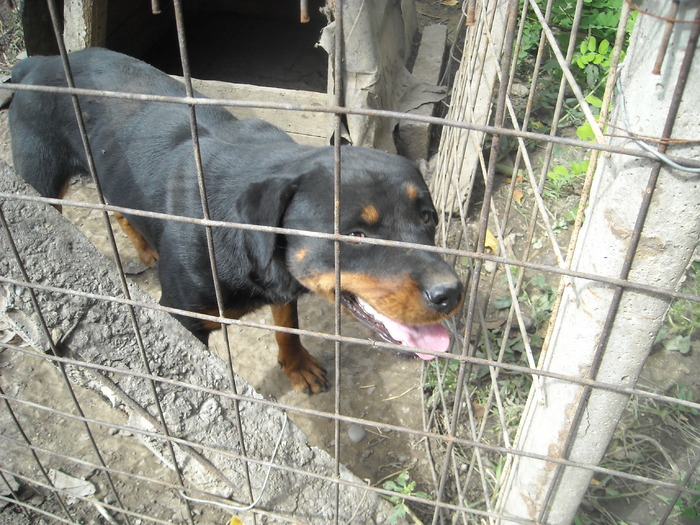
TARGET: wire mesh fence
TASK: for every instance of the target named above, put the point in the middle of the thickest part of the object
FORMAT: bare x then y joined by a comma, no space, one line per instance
566,180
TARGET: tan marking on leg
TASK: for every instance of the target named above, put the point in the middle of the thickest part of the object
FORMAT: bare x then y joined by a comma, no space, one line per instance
304,370
229,313
146,253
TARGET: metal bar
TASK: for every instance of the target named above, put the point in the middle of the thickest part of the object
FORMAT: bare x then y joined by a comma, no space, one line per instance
680,491
668,29
609,281
182,43
528,135
54,350
344,339
339,100
383,426
476,274
55,18
38,462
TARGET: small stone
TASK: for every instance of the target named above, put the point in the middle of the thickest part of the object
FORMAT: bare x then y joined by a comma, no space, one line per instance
356,433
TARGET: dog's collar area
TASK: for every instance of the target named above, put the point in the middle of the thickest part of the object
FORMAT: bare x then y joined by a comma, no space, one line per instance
431,337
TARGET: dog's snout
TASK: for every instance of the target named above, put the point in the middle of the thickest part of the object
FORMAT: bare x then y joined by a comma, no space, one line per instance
444,296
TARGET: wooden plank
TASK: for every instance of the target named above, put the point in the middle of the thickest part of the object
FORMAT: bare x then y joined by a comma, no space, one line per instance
459,150
85,23
414,137
309,128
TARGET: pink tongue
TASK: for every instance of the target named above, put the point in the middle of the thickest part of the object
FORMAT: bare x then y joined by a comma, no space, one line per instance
432,337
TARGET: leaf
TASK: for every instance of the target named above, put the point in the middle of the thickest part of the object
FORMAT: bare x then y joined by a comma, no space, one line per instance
592,44
603,47
492,325
479,411
390,485
539,281
518,196
594,101
678,343
490,243
235,521
585,132
449,3
502,302
560,171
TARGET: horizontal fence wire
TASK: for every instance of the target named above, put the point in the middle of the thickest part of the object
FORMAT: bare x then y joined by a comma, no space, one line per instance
457,439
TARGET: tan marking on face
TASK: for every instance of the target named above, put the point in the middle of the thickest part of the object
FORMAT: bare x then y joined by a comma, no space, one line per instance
370,214
412,191
300,254
398,298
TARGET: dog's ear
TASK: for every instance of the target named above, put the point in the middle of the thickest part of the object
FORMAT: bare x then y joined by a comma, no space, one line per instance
264,204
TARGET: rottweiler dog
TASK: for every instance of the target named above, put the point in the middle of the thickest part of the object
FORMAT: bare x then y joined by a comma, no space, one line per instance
254,173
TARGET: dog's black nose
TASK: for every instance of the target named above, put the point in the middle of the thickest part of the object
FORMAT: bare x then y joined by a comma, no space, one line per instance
444,296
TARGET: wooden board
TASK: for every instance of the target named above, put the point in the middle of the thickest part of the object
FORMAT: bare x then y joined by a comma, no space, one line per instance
306,127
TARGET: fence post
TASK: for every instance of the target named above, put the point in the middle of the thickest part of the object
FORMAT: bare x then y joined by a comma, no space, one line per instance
566,420
459,150
85,23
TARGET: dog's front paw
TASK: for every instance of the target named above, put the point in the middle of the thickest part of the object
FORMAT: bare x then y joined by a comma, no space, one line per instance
305,372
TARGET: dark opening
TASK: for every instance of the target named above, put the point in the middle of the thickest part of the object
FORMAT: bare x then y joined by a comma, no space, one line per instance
263,46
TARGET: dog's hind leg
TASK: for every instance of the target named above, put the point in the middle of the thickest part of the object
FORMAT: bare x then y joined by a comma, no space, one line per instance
304,370
40,156
146,252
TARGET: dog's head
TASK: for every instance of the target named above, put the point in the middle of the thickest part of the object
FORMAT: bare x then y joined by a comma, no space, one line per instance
402,293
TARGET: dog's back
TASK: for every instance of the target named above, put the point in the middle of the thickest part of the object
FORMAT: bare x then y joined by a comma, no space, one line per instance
47,148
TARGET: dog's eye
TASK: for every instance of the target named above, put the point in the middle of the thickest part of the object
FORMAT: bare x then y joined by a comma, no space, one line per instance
428,216
356,235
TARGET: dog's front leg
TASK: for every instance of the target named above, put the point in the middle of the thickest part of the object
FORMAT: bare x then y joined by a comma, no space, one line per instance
304,370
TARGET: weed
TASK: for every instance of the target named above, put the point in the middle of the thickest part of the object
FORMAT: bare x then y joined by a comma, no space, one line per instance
593,58
682,326
646,443
688,505
598,27
444,378
403,486
563,180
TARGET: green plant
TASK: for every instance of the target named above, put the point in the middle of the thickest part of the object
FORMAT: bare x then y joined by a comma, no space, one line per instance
564,179
683,320
593,58
684,393
444,378
403,486
597,30
688,505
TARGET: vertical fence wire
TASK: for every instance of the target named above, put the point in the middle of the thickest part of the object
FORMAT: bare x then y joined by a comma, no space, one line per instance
182,45
339,100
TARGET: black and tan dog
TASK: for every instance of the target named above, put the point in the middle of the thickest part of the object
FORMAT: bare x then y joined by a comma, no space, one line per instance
254,173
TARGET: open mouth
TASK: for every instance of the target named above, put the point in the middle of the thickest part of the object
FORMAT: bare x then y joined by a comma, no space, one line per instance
431,337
